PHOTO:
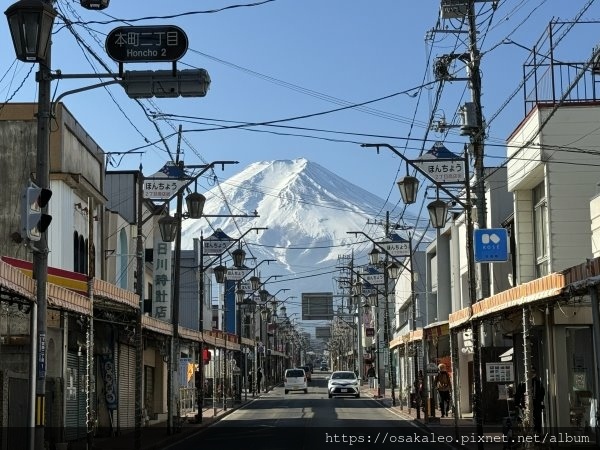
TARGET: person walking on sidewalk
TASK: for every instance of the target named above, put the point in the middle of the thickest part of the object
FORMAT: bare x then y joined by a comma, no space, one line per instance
537,400
442,384
259,376
371,376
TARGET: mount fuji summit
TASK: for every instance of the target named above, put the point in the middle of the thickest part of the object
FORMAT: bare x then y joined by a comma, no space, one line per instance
308,211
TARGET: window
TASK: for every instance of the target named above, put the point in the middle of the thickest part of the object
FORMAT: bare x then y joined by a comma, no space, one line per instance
80,254
540,217
75,252
402,317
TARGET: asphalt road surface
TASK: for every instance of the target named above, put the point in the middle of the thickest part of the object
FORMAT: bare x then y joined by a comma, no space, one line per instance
311,421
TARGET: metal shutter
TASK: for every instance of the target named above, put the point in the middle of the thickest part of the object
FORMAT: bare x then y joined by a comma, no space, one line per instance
126,409
75,391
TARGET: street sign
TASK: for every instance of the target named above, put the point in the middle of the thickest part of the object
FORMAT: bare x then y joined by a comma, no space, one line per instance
164,184
432,369
158,43
441,165
216,243
375,278
236,274
397,247
490,245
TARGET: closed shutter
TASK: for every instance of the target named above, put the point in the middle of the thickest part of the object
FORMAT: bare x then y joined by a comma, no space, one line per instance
126,408
149,390
75,391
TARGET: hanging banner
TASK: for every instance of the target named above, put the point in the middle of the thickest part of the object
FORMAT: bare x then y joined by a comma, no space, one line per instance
107,366
161,302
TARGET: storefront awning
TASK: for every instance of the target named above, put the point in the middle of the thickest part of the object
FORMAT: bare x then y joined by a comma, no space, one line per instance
68,300
16,282
533,291
411,336
436,329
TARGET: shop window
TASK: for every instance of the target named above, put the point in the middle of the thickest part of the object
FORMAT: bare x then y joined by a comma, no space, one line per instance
582,403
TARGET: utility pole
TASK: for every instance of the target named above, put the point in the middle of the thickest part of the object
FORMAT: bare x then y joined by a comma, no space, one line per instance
139,290
477,141
41,250
89,355
386,313
472,125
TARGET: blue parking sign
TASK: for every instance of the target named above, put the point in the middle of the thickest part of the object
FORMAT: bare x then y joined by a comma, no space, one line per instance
491,245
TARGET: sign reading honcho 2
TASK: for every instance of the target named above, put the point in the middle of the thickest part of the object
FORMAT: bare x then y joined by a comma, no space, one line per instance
146,44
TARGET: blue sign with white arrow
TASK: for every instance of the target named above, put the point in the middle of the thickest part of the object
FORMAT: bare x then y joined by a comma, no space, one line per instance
491,245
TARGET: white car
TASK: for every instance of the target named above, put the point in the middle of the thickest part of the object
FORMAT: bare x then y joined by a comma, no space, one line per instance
295,380
343,382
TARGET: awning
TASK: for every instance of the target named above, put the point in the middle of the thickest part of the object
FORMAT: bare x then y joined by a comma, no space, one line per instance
436,329
531,292
411,336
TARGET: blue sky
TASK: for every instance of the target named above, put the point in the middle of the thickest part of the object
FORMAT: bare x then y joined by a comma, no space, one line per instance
283,59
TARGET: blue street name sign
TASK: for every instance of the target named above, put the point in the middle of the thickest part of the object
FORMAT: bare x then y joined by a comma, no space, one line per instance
491,245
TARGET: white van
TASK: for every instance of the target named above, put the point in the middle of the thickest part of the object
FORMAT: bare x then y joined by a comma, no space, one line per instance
295,380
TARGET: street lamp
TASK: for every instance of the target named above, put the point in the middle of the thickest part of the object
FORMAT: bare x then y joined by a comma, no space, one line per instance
170,230
438,211
408,189
30,23
390,271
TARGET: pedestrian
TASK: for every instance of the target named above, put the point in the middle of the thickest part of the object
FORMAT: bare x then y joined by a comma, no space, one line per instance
442,384
259,376
537,400
250,386
419,388
371,376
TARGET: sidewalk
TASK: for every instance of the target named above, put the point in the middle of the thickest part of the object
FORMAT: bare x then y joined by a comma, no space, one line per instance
458,432
155,437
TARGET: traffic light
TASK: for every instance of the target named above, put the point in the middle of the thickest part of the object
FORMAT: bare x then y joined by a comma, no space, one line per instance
165,83
33,221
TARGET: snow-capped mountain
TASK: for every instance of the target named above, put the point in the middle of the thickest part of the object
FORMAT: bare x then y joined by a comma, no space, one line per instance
308,211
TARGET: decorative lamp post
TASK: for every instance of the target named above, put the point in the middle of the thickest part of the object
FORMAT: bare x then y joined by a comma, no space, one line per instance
374,256
438,212
358,288
408,186
240,295
195,205
255,282
168,226
393,270
264,295
30,23
238,256
220,272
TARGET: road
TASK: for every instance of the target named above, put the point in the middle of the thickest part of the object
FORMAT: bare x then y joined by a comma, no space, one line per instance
311,421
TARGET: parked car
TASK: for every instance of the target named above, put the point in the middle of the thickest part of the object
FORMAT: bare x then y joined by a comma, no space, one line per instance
343,382
307,372
295,380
